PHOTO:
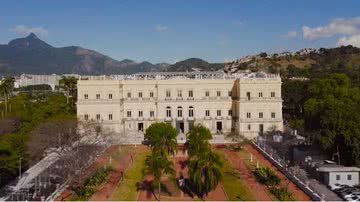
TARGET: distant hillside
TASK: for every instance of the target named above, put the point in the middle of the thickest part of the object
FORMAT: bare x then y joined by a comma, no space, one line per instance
194,64
34,56
306,62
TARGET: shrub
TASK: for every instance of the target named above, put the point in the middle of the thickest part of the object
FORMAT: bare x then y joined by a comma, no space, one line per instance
85,191
98,177
281,193
267,176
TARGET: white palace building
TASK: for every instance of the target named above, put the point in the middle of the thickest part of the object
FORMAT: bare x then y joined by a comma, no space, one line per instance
244,103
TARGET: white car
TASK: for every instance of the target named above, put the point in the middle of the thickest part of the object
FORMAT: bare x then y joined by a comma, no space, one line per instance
353,198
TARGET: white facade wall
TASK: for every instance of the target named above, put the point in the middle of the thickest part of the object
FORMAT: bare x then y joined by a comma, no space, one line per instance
217,96
331,178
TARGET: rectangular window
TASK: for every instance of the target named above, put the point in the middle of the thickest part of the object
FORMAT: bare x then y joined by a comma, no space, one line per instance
272,94
168,94
86,96
140,114
248,115
207,93
179,112
248,95
261,115
151,94
230,112
272,115
168,113
249,127
338,177
110,96
129,95
230,93
260,94
86,117
129,114
140,94
152,113
218,112
191,93
179,93
97,96
218,93
110,117
191,112
97,116
349,177
207,112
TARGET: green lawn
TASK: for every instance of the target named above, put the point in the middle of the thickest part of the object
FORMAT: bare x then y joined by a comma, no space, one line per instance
233,184
127,190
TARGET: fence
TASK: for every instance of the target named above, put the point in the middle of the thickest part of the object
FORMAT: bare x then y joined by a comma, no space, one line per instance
282,166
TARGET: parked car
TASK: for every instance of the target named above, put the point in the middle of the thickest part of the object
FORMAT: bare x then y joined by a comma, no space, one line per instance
353,198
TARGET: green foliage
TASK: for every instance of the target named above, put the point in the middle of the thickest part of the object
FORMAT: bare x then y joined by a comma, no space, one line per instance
197,140
205,166
162,138
205,172
158,165
282,194
332,116
69,85
84,192
31,111
267,176
98,177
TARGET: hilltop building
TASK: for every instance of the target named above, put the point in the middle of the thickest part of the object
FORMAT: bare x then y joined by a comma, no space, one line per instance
246,103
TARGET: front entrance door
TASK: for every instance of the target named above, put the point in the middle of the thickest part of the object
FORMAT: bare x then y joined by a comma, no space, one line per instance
261,129
219,126
141,127
180,126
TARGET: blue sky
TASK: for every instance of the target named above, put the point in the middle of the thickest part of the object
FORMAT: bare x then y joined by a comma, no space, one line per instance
173,30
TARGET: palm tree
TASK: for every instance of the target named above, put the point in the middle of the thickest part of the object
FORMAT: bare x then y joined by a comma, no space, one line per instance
205,172
6,89
69,85
162,138
158,165
197,140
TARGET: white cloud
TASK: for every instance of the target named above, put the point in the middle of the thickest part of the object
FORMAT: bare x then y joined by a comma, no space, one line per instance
24,30
161,28
290,34
334,28
353,40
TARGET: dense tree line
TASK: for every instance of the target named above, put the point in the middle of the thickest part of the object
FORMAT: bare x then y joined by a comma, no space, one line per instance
19,115
328,109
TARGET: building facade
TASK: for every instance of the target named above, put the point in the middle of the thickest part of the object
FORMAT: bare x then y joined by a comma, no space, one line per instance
247,103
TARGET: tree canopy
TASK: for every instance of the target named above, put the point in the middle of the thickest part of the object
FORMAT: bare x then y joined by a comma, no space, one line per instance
162,138
332,116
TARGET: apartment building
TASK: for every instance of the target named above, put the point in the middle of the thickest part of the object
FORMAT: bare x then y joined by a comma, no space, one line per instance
247,103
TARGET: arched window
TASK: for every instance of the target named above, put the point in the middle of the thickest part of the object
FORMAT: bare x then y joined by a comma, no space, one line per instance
191,111
179,111
168,112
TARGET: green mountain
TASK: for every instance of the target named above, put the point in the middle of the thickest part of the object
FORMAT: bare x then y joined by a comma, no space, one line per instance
32,55
194,64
